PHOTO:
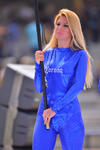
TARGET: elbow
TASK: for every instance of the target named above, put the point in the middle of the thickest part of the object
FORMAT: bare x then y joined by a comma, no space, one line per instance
39,89
38,86
79,85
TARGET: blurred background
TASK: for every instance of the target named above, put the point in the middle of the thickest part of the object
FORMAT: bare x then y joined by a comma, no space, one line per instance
18,42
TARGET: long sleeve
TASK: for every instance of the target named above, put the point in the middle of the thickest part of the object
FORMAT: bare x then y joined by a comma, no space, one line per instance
77,85
37,78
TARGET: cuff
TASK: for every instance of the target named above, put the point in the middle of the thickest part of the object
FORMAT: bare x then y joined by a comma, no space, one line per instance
54,109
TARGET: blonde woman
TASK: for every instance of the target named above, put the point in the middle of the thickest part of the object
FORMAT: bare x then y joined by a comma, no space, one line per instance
67,72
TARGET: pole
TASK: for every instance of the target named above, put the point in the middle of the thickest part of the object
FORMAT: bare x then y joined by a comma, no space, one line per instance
41,62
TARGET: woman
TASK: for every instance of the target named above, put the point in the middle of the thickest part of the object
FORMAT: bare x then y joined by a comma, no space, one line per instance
67,71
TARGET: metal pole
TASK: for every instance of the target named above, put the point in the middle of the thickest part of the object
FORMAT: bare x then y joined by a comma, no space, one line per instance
40,48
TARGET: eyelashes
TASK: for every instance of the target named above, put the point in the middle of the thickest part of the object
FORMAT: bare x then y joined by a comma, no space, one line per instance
58,24
65,25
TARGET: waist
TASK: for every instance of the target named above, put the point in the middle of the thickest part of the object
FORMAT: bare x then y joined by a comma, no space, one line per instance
72,107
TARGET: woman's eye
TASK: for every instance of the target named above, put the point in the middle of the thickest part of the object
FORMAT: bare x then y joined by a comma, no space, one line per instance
58,24
66,25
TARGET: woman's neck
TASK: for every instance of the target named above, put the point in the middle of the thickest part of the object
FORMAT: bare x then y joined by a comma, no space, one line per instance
63,43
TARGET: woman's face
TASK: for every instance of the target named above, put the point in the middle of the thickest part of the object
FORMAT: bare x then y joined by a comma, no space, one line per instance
62,30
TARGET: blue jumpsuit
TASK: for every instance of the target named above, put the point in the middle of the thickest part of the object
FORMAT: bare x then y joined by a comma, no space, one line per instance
65,73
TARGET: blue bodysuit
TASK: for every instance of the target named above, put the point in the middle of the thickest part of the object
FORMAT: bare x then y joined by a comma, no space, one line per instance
65,73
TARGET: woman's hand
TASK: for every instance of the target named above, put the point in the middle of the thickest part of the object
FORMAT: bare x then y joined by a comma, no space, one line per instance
39,56
47,115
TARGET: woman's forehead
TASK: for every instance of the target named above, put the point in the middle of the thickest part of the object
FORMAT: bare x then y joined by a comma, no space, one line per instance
62,19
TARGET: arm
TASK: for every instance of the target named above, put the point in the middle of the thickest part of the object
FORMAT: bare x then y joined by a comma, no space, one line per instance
76,87
37,78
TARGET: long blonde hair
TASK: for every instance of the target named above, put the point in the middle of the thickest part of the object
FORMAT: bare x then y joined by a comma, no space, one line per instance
77,42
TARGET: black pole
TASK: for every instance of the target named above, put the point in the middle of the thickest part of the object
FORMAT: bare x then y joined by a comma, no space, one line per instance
40,48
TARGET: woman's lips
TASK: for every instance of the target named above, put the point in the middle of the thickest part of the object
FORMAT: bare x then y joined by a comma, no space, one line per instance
59,32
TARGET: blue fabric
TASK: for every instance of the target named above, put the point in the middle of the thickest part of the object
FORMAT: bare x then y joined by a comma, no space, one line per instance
65,73
71,136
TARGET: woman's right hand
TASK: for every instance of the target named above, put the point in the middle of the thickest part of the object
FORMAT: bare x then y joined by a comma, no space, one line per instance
39,56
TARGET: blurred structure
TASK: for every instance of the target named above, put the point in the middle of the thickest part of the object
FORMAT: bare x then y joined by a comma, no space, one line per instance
18,107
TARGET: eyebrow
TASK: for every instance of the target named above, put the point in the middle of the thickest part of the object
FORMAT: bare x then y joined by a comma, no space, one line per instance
60,22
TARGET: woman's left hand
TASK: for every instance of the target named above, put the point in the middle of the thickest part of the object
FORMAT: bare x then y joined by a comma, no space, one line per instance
47,115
